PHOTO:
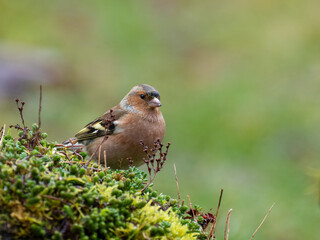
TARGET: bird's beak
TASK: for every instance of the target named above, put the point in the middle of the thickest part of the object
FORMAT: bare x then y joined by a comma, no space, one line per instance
155,102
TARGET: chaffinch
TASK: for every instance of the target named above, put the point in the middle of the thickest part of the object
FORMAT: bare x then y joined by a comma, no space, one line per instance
137,117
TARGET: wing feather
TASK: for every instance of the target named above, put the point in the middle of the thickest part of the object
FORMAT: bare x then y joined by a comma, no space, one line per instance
96,128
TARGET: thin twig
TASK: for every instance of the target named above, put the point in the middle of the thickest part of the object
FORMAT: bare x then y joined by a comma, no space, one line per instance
40,101
3,131
95,151
105,159
73,149
219,203
263,220
70,146
20,111
64,153
148,184
227,226
190,205
99,157
175,173
213,229
77,154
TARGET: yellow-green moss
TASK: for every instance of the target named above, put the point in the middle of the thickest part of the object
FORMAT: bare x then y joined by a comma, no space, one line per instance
45,193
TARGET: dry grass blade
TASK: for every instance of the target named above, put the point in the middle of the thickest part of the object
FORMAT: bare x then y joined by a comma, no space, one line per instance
175,173
3,131
227,226
263,220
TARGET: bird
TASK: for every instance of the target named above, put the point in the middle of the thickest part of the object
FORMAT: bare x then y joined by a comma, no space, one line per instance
136,119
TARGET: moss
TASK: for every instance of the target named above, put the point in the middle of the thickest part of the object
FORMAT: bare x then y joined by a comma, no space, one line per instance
45,193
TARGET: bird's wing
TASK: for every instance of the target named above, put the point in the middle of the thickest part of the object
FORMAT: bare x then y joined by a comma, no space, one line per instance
99,126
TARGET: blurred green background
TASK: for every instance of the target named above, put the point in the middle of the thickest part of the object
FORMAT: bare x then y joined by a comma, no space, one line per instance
239,82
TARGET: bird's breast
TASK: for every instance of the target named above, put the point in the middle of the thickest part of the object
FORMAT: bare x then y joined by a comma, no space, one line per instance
141,128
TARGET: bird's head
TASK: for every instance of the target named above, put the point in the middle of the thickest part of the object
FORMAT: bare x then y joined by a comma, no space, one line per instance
141,97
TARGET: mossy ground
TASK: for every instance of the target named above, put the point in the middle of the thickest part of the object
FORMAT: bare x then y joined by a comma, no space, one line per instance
46,193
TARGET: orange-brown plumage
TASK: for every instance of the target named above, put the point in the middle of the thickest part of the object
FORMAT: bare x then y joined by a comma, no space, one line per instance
136,118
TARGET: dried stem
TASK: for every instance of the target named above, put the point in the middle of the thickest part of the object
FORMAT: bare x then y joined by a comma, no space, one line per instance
155,159
227,226
95,151
3,131
175,173
77,154
99,157
213,229
20,110
191,208
263,220
105,159
148,184
40,102
37,134
64,153
71,146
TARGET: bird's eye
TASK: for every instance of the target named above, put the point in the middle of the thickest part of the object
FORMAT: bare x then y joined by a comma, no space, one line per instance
142,96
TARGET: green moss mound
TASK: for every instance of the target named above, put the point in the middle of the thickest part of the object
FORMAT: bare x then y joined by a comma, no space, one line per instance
46,193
